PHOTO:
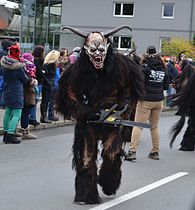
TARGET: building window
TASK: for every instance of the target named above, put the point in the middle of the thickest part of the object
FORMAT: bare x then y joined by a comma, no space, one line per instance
123,9
168,10
122,42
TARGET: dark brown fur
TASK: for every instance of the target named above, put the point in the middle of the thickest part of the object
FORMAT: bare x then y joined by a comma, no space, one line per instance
84,91
185,102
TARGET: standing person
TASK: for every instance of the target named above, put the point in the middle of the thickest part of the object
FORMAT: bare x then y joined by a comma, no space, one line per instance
38,54
49,88
172,73
74,55
29,95
14,79
156,81
4,47
3,51
63,59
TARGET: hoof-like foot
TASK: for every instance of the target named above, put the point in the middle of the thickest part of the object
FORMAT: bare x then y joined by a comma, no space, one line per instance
89,201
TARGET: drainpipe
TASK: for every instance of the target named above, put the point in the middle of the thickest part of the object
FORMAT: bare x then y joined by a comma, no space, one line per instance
48,27
53,44
35,23
191,19
21,23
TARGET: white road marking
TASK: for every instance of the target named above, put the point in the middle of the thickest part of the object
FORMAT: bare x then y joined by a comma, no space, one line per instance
138,192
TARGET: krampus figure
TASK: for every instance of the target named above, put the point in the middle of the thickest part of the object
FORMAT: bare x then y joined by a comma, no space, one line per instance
186,107
99,79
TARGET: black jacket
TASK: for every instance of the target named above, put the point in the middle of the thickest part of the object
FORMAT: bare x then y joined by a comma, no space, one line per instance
156,80
39,70
49,78
172,71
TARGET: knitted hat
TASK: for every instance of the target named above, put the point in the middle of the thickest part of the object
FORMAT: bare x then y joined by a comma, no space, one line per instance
28,56
30,67
151,52
14,52
52,57
77,49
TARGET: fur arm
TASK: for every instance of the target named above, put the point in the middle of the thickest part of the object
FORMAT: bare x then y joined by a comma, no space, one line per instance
133,78
68,103
63,102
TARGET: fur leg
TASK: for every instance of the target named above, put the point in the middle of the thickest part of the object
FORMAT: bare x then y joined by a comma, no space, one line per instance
188,141
84,161
86,186
110,173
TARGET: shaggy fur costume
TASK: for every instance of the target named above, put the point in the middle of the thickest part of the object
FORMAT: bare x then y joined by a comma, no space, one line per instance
83,92
185,102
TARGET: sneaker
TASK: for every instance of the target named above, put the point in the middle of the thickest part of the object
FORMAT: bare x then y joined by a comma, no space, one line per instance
130,156
154,155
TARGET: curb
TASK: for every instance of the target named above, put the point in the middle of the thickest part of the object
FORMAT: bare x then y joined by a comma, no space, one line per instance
167,108
51,125
46,125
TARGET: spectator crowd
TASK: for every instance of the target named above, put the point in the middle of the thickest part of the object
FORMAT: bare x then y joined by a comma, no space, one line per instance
25,79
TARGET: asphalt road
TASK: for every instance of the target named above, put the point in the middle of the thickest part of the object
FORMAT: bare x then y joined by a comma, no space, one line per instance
37,174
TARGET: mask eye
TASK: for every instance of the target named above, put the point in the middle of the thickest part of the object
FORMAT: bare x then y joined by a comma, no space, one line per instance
101,49
93,49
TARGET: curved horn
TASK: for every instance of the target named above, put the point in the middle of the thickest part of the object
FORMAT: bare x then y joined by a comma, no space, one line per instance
115,30
76,31
132,51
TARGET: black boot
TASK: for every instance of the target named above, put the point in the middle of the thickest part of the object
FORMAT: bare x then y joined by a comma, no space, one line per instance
33,122
44,118
4,136
53,118
11,139
51,113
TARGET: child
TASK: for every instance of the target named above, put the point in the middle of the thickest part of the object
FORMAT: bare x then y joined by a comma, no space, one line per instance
29,95
15,79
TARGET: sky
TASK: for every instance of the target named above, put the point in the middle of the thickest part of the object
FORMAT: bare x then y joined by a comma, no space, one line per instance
8,3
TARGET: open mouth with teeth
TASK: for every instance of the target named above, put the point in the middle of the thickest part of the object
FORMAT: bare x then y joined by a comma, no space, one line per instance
97,62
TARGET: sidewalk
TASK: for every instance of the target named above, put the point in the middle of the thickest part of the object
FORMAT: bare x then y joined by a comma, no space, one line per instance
55,124
59,123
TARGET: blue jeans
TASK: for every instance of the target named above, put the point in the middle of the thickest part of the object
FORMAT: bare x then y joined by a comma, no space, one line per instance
48,100
34,108
2,103
170,92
